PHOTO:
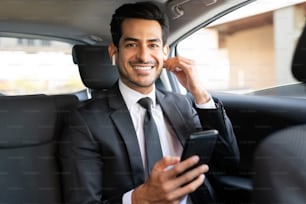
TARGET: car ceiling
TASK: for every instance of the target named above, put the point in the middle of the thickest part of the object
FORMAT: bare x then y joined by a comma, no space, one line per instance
87,21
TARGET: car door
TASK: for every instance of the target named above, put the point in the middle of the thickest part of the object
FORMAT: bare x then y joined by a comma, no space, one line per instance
244,63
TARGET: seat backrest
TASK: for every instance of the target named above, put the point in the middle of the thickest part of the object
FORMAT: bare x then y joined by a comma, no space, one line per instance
279,167
95,67
27,166
299,58
64,103
29,171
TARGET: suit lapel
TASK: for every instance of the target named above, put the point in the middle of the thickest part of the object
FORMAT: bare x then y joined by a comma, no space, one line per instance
122,119
173,115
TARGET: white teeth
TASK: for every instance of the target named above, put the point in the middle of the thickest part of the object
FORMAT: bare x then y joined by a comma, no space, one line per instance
142,68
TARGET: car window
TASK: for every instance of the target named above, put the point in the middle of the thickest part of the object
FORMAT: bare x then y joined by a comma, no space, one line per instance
35,66
249,52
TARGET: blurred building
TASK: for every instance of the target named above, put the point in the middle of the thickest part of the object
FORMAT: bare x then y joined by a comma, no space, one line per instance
261,41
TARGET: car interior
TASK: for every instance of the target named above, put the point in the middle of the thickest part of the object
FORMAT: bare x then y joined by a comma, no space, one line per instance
255,119
31,124
287,158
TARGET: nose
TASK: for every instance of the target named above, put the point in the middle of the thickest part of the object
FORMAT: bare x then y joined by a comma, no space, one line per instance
143,53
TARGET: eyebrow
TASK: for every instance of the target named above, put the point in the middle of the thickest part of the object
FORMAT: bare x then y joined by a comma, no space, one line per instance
135,39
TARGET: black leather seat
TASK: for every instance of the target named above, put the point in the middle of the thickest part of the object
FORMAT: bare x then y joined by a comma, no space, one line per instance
27,162
29,126
299,59
280,167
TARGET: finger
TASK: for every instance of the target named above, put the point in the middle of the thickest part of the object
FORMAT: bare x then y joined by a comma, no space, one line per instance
178,60
173,64
192,186
165,163
187,189
190,175
183,166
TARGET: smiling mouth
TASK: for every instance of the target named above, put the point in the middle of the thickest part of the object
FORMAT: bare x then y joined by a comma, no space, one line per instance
143,67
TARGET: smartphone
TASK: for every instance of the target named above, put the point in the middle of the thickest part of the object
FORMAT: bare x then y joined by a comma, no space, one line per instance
200,143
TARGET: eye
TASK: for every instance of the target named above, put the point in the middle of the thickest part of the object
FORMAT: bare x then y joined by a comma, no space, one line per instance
130,45
154,45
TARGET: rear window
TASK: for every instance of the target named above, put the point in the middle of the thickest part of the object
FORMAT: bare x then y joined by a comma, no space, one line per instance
36,66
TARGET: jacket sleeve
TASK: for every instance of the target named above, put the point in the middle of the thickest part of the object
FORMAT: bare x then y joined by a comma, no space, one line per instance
226,155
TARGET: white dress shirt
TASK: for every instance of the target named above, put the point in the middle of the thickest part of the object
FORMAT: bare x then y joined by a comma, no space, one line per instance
170,145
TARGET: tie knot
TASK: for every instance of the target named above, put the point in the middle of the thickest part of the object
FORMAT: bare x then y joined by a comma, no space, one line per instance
146,103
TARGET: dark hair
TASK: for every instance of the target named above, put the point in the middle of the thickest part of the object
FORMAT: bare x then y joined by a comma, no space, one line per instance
141,10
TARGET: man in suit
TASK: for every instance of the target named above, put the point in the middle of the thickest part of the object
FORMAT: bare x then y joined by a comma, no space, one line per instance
102,150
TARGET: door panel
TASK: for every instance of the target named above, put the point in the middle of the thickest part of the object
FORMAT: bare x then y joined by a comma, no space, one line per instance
254,118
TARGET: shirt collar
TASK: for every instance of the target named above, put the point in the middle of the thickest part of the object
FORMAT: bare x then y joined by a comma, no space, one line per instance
131,96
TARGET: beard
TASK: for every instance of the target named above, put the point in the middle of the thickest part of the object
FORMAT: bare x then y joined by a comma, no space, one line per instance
134,82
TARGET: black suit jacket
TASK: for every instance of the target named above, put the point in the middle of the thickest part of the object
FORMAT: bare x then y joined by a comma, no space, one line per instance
99,151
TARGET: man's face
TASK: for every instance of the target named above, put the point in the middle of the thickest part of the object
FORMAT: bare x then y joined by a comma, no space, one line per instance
141,53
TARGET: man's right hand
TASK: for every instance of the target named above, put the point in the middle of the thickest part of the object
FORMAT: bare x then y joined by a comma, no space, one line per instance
170,181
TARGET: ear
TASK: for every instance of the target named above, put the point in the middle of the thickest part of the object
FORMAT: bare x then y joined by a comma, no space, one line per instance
166,51
112,51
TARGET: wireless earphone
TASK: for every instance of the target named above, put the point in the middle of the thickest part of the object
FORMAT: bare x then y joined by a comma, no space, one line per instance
114,60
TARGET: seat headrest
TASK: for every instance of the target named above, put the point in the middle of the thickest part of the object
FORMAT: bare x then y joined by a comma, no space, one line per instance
95,67
299,58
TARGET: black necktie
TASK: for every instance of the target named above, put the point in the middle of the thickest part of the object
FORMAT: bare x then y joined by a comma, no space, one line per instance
153,148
